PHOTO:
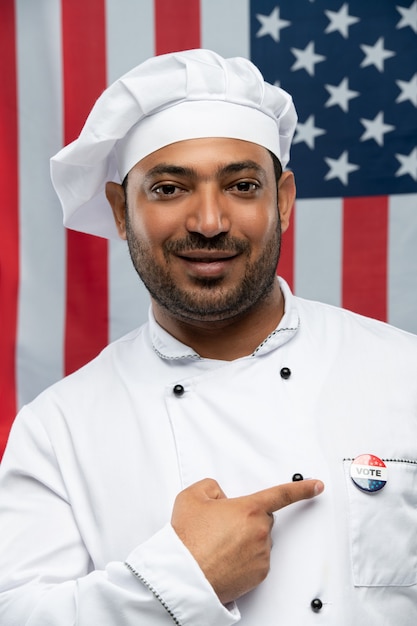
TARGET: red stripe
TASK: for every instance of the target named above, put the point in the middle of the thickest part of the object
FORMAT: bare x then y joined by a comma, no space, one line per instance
365,250
286,261
9,231
177,25
84,69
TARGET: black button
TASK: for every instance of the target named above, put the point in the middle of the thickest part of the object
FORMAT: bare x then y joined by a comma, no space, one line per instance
297,477
316,604
285,373
178,390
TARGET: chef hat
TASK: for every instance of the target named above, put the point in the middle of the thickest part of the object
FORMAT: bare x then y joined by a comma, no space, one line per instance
168,98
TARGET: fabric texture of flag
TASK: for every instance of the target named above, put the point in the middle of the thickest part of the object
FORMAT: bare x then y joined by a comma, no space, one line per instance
352,70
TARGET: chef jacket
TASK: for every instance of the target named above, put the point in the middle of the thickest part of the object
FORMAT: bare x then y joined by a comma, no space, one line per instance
93,466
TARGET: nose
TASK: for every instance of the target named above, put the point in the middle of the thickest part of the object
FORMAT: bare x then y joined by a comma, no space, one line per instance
208,215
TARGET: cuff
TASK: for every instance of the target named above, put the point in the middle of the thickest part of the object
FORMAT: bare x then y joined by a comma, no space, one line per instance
169,570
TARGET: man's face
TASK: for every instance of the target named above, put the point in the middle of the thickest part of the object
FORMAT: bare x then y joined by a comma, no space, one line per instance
203,227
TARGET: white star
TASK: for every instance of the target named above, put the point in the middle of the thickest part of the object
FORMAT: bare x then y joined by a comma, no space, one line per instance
408,90
408,164
340,20
376,55
376,129
340,168
271,25
409,16
307,132
306,59
340,94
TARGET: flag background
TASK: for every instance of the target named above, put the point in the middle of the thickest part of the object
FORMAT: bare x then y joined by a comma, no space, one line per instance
353,239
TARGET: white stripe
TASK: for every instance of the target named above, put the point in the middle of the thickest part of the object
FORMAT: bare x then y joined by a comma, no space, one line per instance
42,239
130,40
225,27
130,35
129,299
402,262
318,249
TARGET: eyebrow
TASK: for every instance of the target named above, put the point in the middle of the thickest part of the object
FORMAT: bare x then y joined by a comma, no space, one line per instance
164,169
239,166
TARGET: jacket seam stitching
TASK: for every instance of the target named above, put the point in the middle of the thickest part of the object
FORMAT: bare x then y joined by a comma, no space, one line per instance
155,593
275,332
409,461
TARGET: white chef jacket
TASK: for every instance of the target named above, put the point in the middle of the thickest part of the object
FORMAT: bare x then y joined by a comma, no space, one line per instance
93,466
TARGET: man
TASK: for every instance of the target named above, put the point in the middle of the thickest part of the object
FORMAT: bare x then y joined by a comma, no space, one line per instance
143,488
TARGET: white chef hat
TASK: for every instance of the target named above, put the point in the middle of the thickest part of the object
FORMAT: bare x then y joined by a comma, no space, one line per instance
168,98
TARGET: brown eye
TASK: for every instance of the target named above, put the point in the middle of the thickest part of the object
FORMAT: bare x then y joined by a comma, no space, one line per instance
245,186
166,190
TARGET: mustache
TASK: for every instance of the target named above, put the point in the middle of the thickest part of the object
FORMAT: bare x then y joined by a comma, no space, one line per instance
195,241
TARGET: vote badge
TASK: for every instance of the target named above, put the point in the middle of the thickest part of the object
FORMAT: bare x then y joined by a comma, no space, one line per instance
368,473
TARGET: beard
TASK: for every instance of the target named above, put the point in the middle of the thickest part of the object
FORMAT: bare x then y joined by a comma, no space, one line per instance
209,299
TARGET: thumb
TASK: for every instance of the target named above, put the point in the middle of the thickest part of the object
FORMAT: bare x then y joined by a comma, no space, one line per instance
280,496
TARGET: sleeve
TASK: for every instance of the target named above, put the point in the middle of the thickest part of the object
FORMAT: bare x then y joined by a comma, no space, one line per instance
46,573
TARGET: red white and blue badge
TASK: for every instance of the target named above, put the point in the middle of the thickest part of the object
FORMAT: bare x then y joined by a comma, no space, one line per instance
368,473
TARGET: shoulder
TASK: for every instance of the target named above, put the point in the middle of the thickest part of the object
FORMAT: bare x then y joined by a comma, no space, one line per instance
323,320
126,357
347,327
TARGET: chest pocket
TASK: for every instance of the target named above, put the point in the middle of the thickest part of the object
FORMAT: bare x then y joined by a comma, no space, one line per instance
383,528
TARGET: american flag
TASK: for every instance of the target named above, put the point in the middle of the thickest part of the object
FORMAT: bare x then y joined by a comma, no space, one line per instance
352,69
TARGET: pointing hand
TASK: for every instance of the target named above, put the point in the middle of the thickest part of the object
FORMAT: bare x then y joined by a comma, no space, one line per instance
230,538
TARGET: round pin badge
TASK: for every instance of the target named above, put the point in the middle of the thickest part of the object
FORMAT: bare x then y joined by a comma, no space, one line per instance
369,473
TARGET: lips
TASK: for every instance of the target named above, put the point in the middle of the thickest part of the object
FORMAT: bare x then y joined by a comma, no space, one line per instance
207,263
207,256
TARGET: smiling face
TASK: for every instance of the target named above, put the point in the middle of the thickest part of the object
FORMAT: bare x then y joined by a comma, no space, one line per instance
203,226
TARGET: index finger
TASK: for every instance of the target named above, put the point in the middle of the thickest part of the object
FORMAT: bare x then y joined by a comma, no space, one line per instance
280,496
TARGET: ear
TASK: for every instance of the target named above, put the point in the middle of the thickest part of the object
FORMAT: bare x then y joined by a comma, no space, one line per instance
286,198
115,195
